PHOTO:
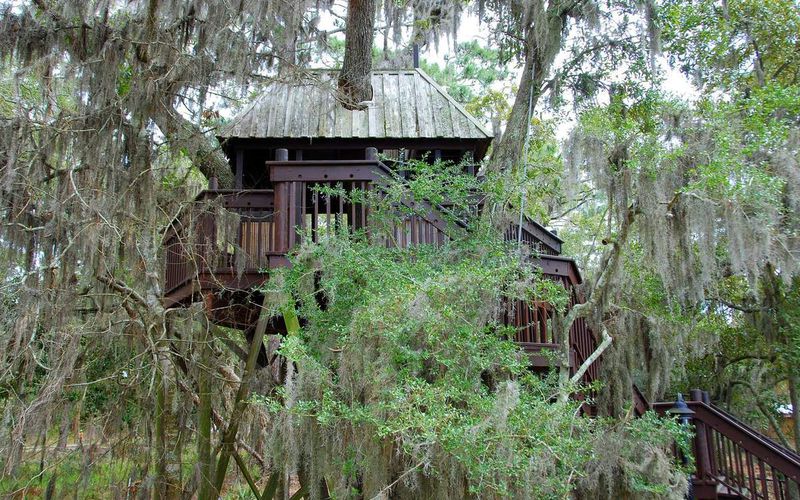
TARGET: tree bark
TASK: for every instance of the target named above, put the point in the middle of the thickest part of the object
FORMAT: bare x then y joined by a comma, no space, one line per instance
165,471
354,79
184,135
794,398
204,416
541,50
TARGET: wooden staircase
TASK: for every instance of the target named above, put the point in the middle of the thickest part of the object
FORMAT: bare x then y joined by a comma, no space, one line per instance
733,460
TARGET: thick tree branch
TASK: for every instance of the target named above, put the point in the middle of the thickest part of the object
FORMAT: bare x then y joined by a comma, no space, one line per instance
592,357
185,136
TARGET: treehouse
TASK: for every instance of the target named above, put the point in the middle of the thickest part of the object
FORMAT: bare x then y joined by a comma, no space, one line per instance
297,138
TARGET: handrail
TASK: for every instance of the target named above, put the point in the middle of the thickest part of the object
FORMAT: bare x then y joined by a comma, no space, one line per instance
783,459
534,234
731,455
208,194
369,170
189,238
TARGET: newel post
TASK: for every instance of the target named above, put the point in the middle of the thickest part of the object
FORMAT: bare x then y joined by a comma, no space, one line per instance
281,154
702,445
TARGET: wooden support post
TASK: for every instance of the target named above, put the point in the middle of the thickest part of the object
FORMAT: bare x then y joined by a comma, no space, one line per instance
282,201
239,168
281,218
470,158
271,488
246,474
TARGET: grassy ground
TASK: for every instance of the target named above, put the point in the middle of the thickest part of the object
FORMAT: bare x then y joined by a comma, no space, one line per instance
74,474
95,472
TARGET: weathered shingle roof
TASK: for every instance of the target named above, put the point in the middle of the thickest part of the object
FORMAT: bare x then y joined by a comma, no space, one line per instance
405,104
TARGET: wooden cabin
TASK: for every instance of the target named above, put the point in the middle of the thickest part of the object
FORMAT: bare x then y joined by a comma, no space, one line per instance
296,136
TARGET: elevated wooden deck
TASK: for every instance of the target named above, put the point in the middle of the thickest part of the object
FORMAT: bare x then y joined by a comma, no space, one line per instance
221,247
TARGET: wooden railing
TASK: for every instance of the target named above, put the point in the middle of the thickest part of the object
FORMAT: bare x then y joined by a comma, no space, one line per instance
532,322
223,232
537,238
733,459
227,234
534,331
227,238
319,201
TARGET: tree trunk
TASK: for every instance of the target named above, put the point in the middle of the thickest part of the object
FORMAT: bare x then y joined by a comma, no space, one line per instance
184,135
204,415
541,49
162,481
354,79
794,398
509,150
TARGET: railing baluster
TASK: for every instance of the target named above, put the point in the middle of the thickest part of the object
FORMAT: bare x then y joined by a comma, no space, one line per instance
751,474
303,207
721,456
260,252
763,478
340,214
776,488
314,222
739,466
327,198
731,458
364,206
351,188
529,332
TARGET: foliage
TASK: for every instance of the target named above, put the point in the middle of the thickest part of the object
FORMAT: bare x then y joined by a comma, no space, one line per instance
93,476
404,365
711,186
734,45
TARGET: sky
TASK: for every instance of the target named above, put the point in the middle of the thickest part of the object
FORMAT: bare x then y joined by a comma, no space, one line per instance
470,29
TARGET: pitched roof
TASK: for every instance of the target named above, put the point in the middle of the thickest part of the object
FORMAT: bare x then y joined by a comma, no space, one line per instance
405,104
